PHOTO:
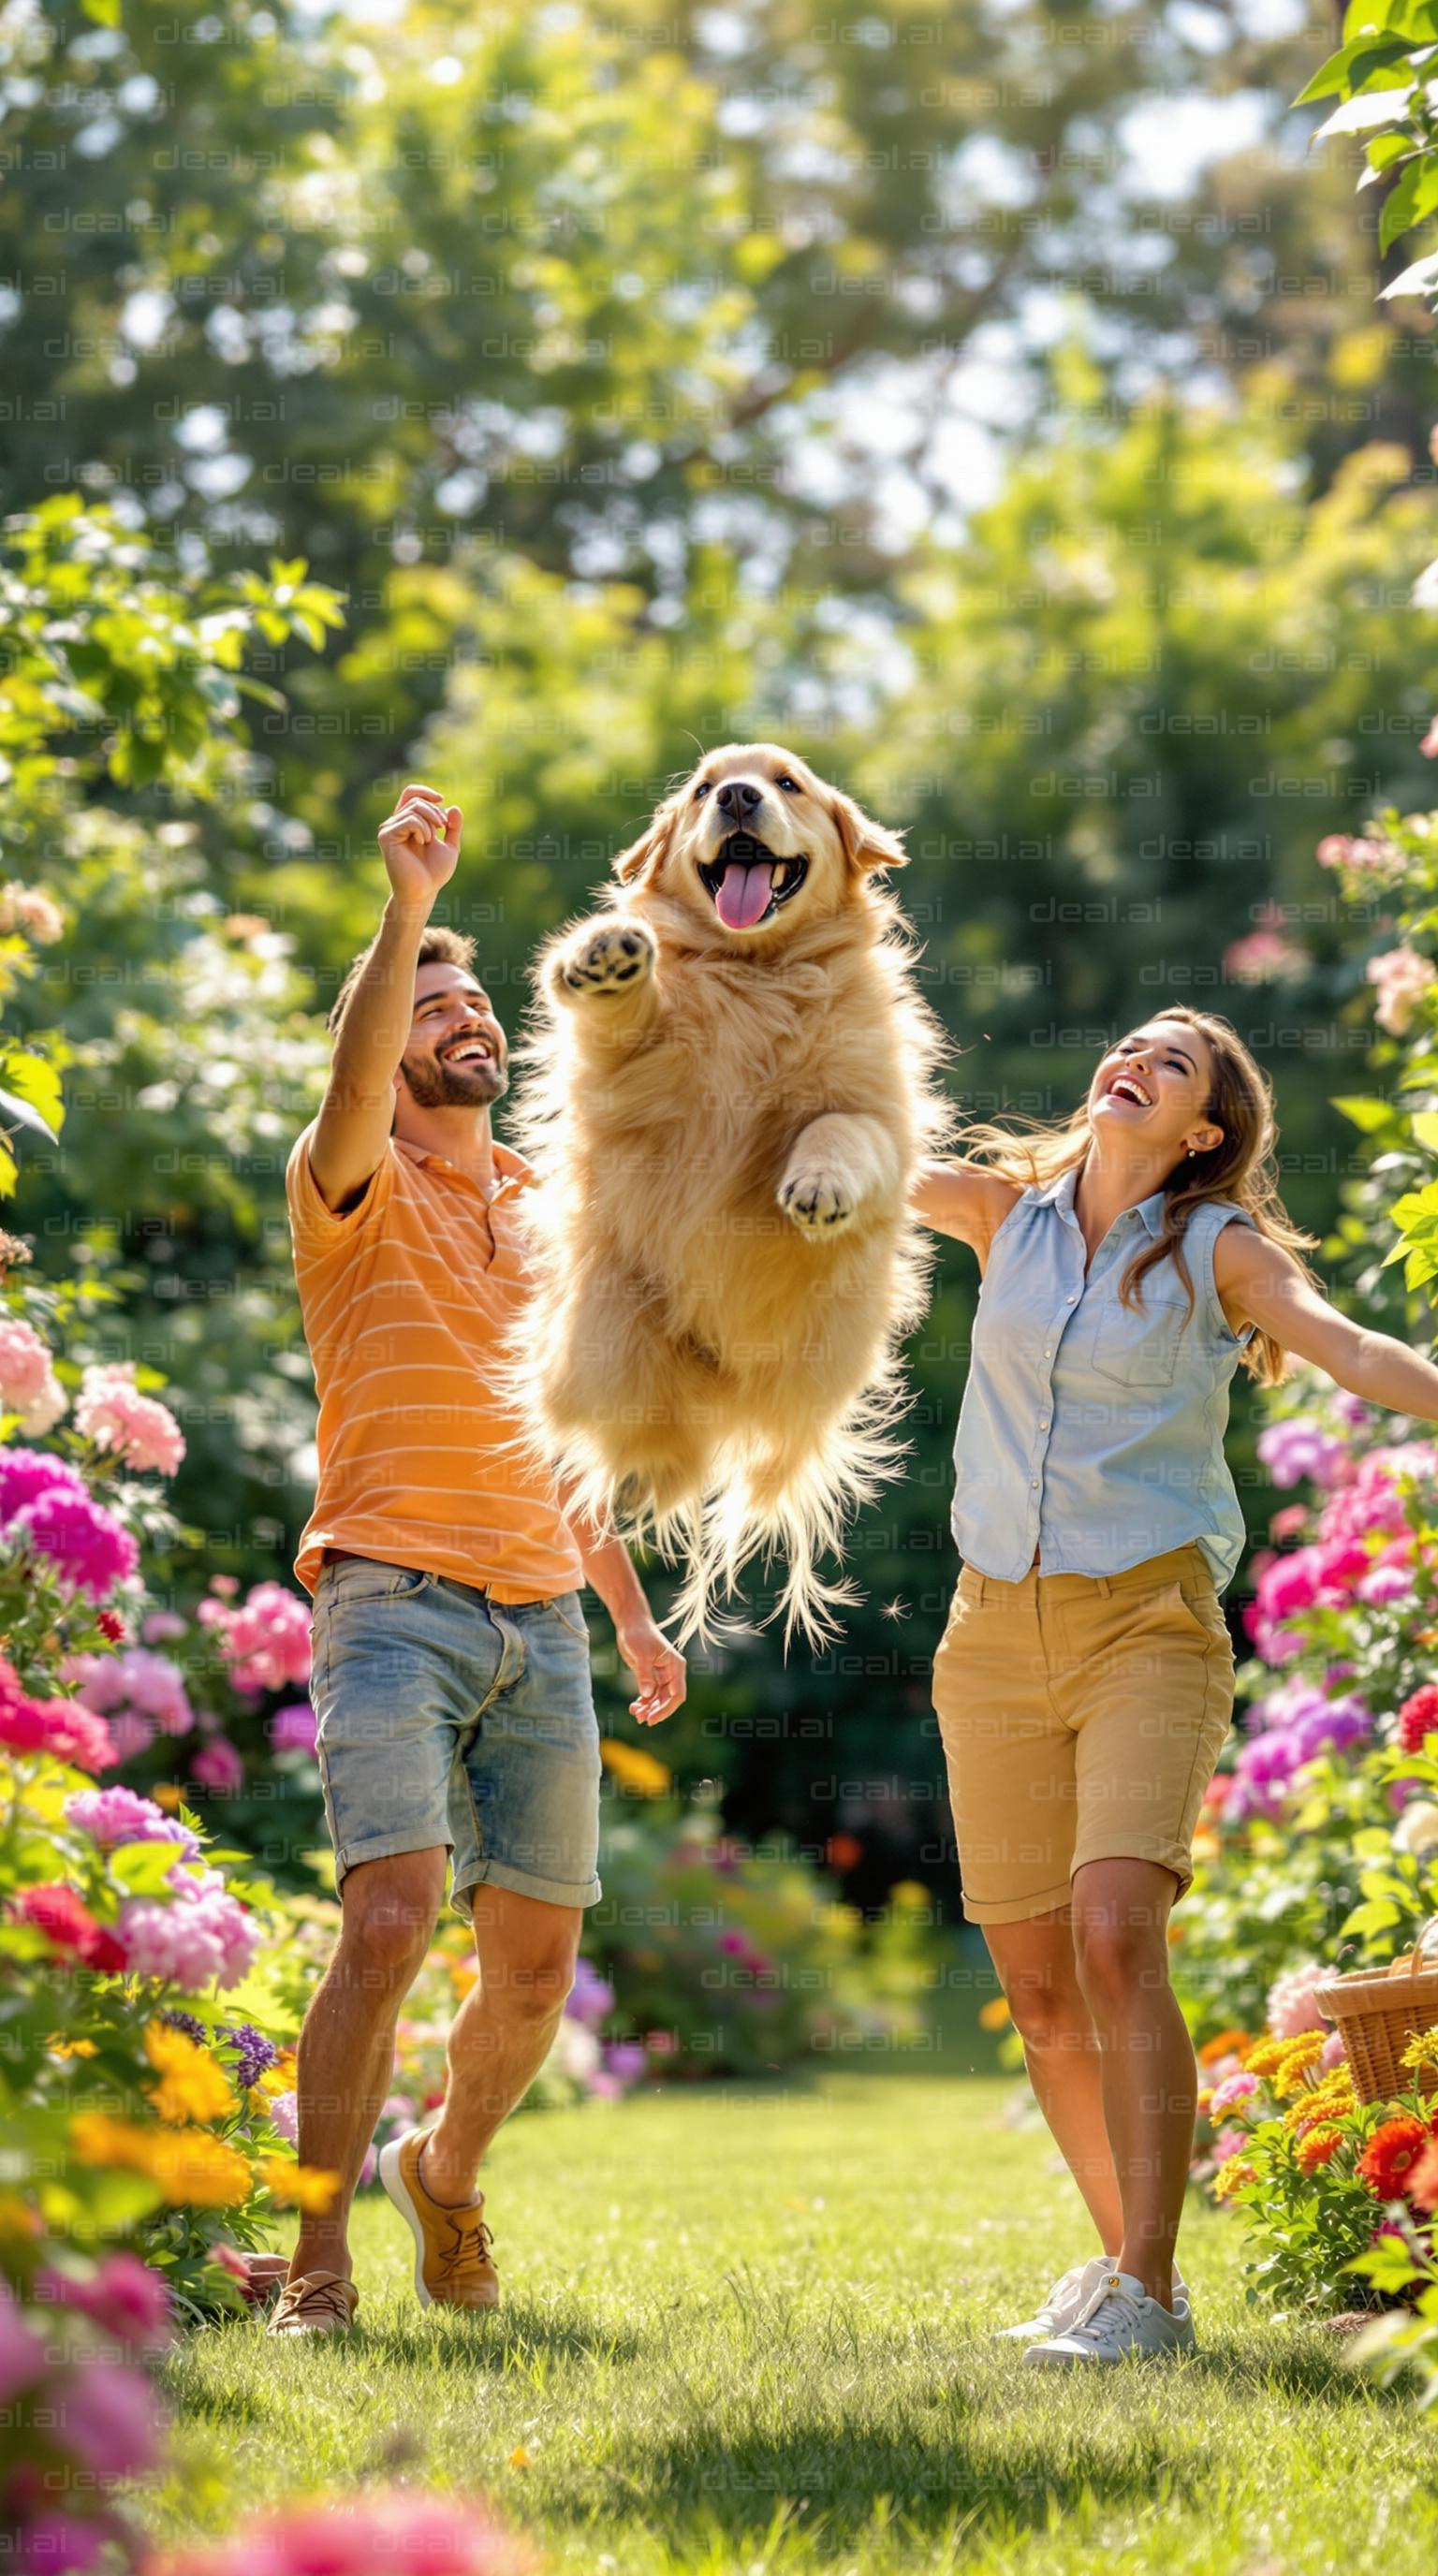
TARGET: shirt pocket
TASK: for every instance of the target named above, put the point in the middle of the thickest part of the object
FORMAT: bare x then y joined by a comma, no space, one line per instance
1138,1346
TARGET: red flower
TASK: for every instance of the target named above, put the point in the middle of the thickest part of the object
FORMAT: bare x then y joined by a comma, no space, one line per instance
1418,1717
1388,2161
1423,2182
111,1625
69,1925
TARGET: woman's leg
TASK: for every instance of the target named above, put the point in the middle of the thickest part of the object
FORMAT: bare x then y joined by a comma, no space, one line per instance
1038,1972
1149,2079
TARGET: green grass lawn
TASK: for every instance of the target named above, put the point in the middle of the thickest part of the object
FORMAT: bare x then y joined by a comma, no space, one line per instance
744,2330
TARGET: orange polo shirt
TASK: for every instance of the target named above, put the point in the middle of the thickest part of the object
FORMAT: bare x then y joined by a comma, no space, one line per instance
404,1300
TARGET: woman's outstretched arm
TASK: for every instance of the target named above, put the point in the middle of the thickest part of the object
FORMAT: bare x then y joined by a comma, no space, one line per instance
966,1200
1259,1281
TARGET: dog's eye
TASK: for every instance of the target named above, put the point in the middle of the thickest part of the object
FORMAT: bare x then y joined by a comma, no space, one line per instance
701,790
791,783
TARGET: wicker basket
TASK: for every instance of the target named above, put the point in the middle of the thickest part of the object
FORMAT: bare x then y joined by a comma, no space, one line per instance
1378,2011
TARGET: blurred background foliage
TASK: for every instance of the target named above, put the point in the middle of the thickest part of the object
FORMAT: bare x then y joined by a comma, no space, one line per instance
993,404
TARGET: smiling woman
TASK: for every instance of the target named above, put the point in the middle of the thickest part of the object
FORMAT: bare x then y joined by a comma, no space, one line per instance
1132,1256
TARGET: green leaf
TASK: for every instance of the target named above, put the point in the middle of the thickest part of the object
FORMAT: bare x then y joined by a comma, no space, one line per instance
1364,1111
1414,197
1372,107
35,1082
24,1116
1337,78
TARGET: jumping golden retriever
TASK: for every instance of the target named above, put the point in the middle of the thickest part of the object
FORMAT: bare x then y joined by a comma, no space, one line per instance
730,1082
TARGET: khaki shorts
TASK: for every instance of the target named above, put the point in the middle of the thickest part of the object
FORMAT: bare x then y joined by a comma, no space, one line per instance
1082,1718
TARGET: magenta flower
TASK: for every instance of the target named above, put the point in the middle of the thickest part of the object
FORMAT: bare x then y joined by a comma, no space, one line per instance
108,2416
218,1766
148,1684
22,2354
1301,1448
25,1474
90,1550
366,2534
125,2297
292,1728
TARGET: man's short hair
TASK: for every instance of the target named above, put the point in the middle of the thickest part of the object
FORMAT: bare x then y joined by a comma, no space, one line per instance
438,946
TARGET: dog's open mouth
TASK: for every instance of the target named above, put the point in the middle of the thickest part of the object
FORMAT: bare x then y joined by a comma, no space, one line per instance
748,883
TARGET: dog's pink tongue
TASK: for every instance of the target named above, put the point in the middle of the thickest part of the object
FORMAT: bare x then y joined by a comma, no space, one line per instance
743,896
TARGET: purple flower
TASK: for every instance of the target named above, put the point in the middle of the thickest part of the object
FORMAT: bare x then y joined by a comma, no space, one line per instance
1301,1447
257,2054
592,1997
626,2059
292,1728
90,1550
192,2027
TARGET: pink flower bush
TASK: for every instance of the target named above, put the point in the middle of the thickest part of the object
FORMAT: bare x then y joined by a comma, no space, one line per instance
1291,2008
284,2111
365,2534
148,1685
31,909
1300,1448
1402,977
266,1640
218,1766
204,1934
111,1411
26,1474
63,1728
28,1384
115,1816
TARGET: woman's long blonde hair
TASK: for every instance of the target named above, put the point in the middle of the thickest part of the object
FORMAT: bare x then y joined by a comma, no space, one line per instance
1242,1169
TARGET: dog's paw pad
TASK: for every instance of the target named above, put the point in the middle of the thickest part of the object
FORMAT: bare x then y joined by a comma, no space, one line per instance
818,1203
608,959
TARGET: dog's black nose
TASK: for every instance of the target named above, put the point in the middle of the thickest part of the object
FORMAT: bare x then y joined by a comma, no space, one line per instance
739,797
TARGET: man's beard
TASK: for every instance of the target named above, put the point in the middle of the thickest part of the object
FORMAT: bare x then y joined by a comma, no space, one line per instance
433,1086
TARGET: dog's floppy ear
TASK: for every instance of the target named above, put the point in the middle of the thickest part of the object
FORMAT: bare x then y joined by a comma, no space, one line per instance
646,856
867,845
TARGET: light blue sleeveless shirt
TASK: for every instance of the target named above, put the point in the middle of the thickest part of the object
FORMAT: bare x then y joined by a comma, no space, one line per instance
1090,1430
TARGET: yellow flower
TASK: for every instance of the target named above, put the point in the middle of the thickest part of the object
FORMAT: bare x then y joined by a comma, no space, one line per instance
191,2086
306,2187
1264,2059
1298,2056
1232,2177
190,2167
1422,2051
634,1769
60,2046
995,2014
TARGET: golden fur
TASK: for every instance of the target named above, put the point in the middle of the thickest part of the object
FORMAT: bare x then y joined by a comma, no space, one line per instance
724,1120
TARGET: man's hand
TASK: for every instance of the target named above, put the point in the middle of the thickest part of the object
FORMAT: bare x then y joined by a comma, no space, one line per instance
420,845
657,1666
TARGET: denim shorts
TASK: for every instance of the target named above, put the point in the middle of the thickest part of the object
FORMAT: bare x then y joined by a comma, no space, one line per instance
446,1718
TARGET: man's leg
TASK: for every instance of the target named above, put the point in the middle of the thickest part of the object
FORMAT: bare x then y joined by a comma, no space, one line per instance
346,2049
503,2031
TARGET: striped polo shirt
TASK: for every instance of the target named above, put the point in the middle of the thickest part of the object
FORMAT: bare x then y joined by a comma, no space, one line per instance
405,1300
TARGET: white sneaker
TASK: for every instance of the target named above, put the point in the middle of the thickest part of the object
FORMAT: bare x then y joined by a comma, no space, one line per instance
1118,2318
1065,2303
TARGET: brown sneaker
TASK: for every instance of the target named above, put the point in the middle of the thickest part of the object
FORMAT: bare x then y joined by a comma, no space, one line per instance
453,2264
317,2303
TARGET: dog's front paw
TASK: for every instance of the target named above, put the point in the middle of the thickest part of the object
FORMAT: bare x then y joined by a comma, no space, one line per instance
818,1203
607,957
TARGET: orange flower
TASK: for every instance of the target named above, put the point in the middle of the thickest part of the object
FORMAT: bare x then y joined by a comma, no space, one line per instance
1388,2161
1423,2181
1319,2148
995,2014
1227,2043
1232,2177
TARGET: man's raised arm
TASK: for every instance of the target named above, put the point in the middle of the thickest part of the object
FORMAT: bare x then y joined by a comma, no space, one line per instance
420,846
